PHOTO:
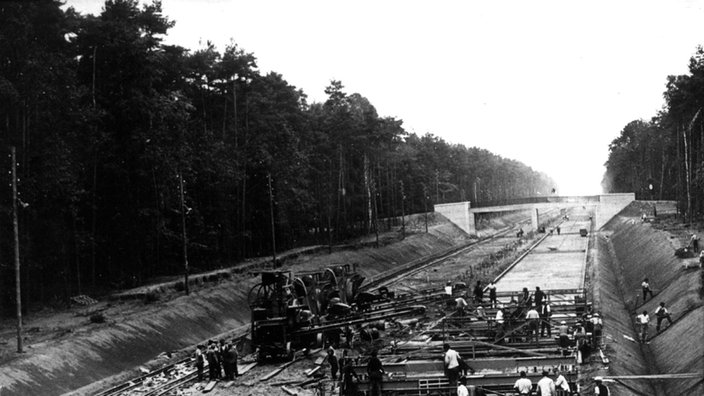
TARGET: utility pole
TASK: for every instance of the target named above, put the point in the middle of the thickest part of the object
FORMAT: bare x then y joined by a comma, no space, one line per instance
271,213
425,205
403,215
183,231
15,230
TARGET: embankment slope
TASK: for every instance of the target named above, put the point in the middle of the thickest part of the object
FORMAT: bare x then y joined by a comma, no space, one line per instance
136,332
641,250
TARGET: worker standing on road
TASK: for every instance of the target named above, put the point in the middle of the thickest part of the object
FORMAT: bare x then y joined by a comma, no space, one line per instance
213,362
546,386
526,299
561,383
478,292
332,360
643,320
661,313
452,365
564,335
523,385
533,318
600,389
460,305
545,314
492,293
538,296
376,373
221,357
646,289
499,319
348,387
200,362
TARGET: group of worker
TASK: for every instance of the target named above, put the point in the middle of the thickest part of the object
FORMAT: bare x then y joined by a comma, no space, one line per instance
221,358
546,386
345,365
456,370
643,319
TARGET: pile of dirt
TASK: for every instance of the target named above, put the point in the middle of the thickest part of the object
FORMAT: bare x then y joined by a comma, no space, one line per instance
640,250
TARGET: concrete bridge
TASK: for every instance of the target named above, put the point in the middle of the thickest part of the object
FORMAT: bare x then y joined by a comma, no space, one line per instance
605,207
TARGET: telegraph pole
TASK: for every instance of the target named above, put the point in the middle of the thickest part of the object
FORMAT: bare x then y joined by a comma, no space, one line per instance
403,214
183,232
15,230
271,213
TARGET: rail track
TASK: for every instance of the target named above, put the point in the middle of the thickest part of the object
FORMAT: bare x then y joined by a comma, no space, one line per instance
169,379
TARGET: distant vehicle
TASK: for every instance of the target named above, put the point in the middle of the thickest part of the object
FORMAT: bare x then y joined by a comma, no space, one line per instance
583,232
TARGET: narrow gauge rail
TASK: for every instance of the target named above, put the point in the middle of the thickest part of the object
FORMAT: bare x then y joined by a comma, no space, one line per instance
183,372
414,366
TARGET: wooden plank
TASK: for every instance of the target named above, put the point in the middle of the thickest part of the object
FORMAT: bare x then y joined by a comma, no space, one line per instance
243,369
289,391
655,376
312,371
308,382
210,386
278,370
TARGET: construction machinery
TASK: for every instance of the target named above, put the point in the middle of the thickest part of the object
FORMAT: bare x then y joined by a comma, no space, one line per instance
291,313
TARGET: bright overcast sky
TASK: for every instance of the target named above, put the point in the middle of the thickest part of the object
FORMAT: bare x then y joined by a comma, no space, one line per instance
549,83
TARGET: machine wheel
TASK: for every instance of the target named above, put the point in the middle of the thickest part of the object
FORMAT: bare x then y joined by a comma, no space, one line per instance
261,294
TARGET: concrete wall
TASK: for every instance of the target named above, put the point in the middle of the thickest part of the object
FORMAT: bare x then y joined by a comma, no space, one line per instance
610,205
458,213
462,215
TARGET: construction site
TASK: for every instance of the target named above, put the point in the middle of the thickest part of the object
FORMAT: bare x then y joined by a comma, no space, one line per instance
405,301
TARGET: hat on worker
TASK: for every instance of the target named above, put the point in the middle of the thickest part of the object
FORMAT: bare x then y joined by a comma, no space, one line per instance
596,314
598,379
563,322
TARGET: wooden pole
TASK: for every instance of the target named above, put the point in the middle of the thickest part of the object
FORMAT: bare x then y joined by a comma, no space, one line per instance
183,232
15,230
271,213
403,214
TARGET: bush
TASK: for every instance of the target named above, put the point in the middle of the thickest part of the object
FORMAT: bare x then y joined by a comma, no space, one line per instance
180,286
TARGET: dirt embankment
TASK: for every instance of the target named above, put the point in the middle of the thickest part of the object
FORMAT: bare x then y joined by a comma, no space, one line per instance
629,251
82,353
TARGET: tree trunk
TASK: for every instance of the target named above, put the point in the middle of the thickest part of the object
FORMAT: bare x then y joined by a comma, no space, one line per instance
368,190
662,171
15,232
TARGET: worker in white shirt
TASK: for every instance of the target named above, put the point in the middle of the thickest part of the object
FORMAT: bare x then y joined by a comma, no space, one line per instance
452,364
561,382
500,329
643,320
533,318
523,385
462,388
546,386
460,305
